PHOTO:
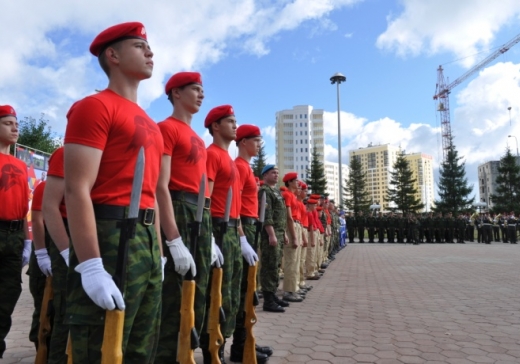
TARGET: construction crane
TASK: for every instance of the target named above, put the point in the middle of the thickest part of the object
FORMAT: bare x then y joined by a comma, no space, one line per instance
443,90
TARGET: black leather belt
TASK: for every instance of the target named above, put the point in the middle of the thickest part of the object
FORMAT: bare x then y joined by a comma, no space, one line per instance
219,220
191,198
248,220
11,225
111,212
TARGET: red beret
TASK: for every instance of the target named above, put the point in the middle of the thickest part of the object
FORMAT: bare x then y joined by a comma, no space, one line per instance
247,131
303,185
283,188
182,79
316,197
257,179
319,208
7,110
218,113
290,176
116,33
311,201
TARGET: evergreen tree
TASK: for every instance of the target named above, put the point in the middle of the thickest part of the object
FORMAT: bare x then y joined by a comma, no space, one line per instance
37,134
357,197
317,183
508,185
259,162
453,185
401,190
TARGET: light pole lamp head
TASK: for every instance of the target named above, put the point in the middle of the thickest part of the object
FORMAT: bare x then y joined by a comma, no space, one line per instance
337,78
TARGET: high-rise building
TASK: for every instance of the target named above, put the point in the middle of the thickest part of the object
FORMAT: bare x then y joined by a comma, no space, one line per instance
298,131
487,181
422,168
377,162
332,176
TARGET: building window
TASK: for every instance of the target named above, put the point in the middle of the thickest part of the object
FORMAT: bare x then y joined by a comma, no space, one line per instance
302,150
305,150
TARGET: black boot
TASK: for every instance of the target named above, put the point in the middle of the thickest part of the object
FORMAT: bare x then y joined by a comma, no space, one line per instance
204,345
270,305
267,350
221,353
280,302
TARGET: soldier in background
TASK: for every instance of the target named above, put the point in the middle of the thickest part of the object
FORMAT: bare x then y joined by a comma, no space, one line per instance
502,222
487,226
478,226
360,224
371,226
381,223
350,220
511,227
391,223
461,228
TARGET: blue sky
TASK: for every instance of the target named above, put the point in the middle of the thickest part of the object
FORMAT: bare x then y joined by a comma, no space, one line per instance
262,56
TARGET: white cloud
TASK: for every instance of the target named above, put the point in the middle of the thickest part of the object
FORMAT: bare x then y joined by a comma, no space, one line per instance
46,65
269,131
461,27
351,124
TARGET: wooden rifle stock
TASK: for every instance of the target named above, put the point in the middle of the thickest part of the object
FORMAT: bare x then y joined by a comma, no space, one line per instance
112,347
69,351
215,316
251,300
45,324
187,335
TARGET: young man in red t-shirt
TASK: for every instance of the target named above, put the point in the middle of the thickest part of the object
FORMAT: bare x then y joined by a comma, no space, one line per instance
182,167
223,175
55,215
292,251
14,193
248,140
302,195
104,135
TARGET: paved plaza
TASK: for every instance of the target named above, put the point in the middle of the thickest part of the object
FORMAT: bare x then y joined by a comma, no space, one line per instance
385,303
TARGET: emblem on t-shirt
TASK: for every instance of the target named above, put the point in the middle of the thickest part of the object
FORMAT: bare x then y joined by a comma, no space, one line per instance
8,176
197,149
144,134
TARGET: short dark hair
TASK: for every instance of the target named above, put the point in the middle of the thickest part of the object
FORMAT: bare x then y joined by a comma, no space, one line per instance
210,128
102,58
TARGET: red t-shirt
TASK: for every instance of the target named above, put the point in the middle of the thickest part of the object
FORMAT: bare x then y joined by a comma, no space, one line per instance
38,197
303,214
56,169
249,189
318,223
118,127
14,188
312,223
292,202
223,172
188,155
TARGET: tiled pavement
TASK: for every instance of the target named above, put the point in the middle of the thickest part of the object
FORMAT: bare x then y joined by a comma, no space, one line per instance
386,303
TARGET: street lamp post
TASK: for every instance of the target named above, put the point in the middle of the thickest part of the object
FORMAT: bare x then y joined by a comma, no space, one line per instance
516,140
509,108
338,78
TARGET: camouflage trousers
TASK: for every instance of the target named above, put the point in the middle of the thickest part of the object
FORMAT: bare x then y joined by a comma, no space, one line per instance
172,285
231,278
11,250
60,330
37,288
249,231
142,294
271,260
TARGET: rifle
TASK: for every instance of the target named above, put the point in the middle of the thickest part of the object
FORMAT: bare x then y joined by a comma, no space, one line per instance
216,314
188,338
45,324
251,296
112,347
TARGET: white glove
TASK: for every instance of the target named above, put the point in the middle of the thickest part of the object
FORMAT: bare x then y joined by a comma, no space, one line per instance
26,252
163,262
248,252
216,254
44,261
182,258
99,285
65,255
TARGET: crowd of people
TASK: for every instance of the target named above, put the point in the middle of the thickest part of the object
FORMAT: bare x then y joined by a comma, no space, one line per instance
133,209
432,227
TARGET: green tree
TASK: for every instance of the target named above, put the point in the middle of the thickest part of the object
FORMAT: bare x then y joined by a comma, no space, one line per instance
453,185
38,134
317,183
401,190
507,193
259,162
357,197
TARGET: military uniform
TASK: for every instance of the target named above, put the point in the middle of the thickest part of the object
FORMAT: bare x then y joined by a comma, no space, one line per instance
360,224
511,228
351,227
371,227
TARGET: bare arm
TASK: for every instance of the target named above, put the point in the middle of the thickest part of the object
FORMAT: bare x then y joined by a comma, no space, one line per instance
38,230
158,226
52,197
291,229
81,168
168,223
